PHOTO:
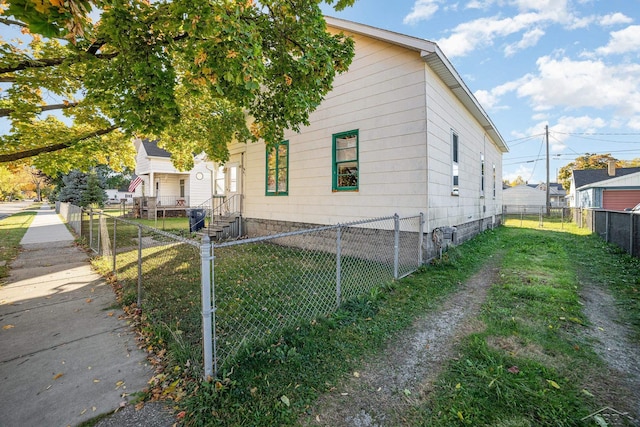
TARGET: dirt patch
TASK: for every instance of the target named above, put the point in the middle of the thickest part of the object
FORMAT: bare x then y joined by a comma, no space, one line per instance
405,371
620,384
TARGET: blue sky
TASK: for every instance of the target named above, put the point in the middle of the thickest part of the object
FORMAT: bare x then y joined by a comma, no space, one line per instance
573,65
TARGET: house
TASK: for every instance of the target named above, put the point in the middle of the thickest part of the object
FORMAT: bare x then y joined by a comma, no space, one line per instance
524,198
612,188
557,193
399,133
162,187
117,195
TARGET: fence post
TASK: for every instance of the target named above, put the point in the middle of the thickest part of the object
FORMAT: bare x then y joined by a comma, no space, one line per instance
139,266
98,251
338,266
420,238
606,226
206,261
396,245
113,247
90,227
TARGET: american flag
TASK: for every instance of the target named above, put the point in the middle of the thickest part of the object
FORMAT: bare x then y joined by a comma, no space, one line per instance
134,184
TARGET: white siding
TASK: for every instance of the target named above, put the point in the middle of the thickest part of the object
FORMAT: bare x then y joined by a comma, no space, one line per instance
383,97
445,115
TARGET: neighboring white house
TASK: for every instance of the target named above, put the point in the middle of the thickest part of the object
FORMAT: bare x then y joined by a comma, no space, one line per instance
399,133
116,195
167,185
524,199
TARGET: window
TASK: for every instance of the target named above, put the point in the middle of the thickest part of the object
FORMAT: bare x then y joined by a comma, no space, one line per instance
219,181
494,181
278,169
182,188
481,175
454,163
345,161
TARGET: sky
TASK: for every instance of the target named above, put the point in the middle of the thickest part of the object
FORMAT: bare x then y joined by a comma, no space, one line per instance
573,65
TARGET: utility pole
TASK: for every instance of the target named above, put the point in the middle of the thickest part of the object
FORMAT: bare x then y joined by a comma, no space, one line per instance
546,131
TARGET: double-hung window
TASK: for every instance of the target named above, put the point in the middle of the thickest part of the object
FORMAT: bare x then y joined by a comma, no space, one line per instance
345,161
454,164
482,174
277,180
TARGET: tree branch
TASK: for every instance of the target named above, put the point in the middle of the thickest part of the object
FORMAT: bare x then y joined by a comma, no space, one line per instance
48,62
7,21
4,112
4,158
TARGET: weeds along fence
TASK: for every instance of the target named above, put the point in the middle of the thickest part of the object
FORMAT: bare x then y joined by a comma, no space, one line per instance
231,296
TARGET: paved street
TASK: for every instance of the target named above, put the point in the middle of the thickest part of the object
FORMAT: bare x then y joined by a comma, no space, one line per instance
9,208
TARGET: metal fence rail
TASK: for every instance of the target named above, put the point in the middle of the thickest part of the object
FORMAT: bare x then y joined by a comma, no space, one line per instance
243,293
618,227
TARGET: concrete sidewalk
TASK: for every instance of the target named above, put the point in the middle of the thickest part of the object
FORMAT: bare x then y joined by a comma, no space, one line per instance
65,356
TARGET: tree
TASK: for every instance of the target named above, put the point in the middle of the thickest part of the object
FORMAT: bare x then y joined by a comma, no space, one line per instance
73,185
9,184
586,161
196,75
94,195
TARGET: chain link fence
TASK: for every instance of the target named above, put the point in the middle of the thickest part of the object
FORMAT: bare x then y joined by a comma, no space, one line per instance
218,298
268,284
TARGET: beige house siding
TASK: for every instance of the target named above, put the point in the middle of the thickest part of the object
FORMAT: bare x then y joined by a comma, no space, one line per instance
382,96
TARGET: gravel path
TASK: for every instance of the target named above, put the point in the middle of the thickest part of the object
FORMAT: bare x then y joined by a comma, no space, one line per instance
403,373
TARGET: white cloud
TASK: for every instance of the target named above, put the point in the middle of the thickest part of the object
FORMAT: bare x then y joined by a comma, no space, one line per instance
531,18
525,172
574,84
614,19
422,10
529,39
634,123
623,41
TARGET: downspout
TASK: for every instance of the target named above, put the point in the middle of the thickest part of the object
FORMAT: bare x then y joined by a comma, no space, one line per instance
424,55
427,224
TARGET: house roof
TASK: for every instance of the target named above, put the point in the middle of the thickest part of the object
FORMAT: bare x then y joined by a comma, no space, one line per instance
589,176
627,180
437,61
152,149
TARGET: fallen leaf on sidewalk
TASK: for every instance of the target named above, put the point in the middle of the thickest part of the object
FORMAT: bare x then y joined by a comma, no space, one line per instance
7,327
119,384
110,314
89,300
55,377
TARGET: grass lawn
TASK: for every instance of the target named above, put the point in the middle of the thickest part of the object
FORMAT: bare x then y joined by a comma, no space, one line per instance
531,365
11,231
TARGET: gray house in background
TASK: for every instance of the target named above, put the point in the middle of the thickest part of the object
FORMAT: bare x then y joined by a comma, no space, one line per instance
612,188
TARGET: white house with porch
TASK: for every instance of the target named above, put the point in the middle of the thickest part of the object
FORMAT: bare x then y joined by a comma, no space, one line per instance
163,187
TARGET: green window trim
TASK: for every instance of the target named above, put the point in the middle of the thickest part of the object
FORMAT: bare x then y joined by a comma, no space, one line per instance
277,169
345,149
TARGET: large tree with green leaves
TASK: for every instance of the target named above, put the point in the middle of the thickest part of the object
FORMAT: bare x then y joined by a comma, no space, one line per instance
586,161
195,74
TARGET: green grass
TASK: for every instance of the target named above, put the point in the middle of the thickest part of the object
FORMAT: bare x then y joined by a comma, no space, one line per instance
303,361
530,366
12,229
